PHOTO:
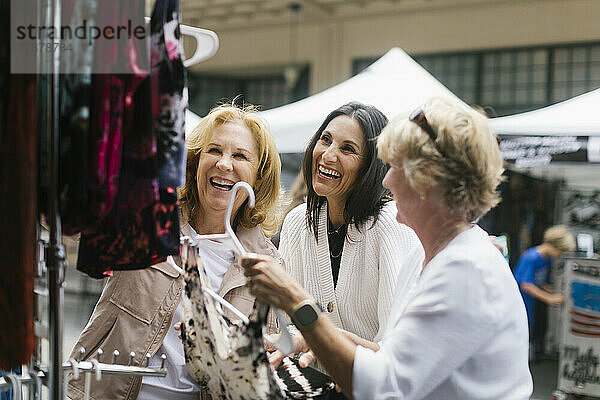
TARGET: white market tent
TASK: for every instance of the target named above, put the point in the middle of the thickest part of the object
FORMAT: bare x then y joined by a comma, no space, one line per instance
579,116
395,83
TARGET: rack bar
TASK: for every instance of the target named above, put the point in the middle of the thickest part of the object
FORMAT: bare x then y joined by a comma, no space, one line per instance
56,252
88,367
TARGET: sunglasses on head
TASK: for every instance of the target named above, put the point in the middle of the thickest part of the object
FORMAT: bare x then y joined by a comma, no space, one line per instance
419,118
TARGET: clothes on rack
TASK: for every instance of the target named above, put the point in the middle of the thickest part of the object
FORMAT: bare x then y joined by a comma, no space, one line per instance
169,93
135,241
18,208
75,104
131,219
107,144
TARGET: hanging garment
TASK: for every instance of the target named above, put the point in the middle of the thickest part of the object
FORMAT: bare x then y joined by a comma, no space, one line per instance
143,225
75,102
18,209
137,240
229,358
169,93
105,121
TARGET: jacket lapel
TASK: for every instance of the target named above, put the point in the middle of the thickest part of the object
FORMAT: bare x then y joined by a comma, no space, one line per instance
317,272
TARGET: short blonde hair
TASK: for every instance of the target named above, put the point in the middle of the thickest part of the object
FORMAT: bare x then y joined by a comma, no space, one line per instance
267,188
559,237
469,167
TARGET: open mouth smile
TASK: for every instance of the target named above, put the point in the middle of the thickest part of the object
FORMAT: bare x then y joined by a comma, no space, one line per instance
328,173
221,184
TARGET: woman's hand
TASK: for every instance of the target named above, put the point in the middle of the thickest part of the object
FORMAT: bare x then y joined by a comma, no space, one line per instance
300,346
271,284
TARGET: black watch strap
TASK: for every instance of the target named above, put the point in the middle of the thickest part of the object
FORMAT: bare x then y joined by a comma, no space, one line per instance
306,314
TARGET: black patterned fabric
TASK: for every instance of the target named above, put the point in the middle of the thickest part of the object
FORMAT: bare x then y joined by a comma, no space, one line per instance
142,227
228,359
169,93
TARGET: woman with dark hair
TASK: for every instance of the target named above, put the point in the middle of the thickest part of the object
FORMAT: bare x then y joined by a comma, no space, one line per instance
344,244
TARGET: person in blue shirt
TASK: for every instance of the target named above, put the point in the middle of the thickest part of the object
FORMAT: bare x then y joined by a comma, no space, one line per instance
532,273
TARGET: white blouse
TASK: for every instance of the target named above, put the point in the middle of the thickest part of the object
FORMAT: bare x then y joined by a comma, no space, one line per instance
462,334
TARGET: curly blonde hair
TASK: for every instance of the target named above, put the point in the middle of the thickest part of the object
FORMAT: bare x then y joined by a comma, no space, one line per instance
465,160
267,188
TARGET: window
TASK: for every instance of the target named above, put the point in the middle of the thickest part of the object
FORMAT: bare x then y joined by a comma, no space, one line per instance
509,81
576,70
458,72
266,91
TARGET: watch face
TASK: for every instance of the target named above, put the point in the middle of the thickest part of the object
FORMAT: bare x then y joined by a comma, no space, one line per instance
306,315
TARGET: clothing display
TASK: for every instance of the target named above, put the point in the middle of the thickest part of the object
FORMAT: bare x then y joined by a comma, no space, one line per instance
18,183
229,358
75,108
136,241
103,123
460,334
371,262
169,93
137,308
142,227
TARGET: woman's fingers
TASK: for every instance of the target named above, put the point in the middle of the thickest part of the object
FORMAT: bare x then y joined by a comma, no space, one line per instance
275,358
306,359
177,327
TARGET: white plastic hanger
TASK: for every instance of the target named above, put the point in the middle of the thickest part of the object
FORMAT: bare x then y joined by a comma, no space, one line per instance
15,382
284,343
207,43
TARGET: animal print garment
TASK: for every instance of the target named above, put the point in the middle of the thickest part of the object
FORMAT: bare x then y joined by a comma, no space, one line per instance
228,358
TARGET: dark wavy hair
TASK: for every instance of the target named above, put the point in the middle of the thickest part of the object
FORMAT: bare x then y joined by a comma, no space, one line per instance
367,196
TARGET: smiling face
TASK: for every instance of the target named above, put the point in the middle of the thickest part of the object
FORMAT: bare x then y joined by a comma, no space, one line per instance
230,156
337,159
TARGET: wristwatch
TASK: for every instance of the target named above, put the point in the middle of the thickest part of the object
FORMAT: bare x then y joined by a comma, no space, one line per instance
306,314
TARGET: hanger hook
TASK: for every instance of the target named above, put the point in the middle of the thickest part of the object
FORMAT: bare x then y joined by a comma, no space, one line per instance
251,200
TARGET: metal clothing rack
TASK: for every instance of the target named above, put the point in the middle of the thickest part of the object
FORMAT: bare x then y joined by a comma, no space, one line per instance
51,255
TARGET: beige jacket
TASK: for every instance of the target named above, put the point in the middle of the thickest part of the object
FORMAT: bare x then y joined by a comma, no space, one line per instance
135,311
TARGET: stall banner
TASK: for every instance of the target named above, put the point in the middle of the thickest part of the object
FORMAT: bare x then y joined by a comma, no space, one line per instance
529,151
579,363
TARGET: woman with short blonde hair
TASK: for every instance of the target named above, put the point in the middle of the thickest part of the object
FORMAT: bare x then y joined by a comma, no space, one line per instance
464,160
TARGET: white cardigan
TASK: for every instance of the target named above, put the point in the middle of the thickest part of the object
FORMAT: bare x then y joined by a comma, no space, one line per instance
372,262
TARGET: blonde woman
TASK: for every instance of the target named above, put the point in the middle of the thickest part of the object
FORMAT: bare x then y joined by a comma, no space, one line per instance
138,309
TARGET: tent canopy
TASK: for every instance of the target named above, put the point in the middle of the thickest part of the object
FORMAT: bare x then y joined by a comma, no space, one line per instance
578,116
395,83
566,135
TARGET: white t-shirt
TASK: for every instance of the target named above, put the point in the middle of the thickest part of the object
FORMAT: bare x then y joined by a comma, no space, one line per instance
462,333
178,385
